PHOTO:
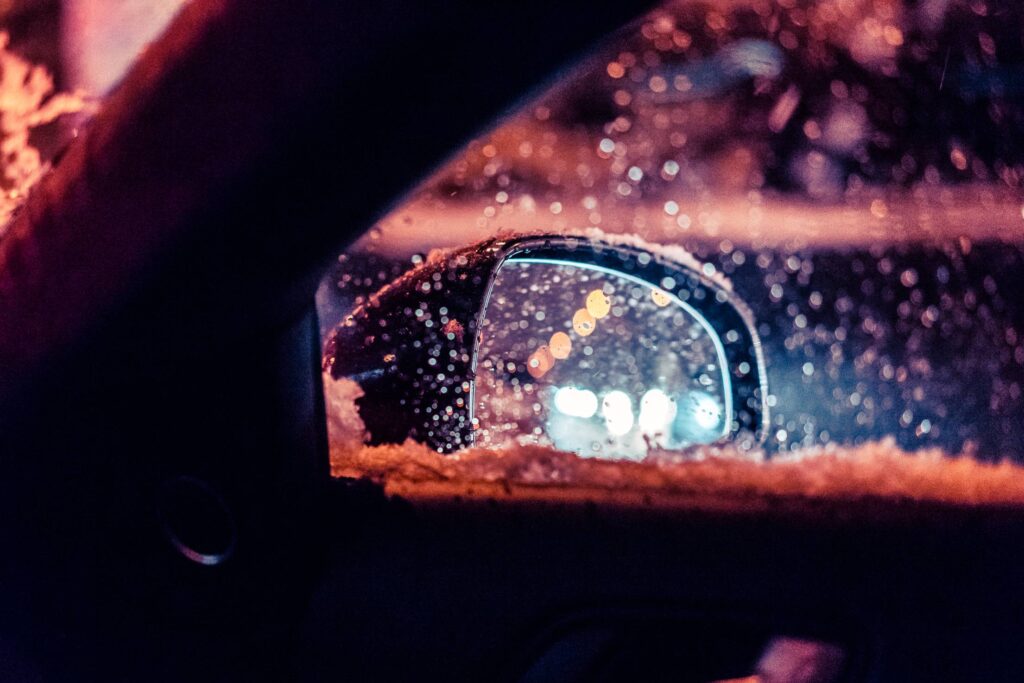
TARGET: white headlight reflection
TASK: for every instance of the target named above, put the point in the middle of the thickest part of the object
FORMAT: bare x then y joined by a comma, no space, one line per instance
575,402
699,418
657,410
617,410
609,425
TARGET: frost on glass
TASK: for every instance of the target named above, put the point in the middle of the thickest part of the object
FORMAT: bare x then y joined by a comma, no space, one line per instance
854,168
595,362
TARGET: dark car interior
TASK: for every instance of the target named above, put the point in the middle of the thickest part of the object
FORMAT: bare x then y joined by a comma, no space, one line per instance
168,505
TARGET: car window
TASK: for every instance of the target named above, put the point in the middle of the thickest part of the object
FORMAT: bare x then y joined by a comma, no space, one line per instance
850,171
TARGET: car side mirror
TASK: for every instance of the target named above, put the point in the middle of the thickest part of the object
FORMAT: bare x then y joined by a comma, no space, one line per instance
605,349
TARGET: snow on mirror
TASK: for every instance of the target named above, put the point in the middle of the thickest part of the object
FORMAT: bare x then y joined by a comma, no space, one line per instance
596,362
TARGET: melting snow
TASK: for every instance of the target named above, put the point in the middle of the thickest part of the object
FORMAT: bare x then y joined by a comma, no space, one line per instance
878,469
27,101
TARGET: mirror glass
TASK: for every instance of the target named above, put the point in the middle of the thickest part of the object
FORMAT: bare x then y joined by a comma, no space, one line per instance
595,361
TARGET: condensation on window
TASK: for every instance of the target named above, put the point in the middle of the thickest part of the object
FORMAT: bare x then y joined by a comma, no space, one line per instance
854,168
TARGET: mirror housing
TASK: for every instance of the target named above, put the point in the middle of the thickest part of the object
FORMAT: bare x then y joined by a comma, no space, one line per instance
412,347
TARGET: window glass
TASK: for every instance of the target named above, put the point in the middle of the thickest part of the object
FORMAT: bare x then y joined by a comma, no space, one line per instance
851,171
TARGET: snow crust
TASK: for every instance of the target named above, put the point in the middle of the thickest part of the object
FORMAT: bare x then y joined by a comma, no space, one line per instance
877,469
669,252
345,428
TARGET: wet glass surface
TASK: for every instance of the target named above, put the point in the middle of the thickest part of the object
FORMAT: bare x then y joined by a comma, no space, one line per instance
854,169
593,362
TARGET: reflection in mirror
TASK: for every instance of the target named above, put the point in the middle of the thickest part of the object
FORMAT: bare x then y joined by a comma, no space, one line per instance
595,361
